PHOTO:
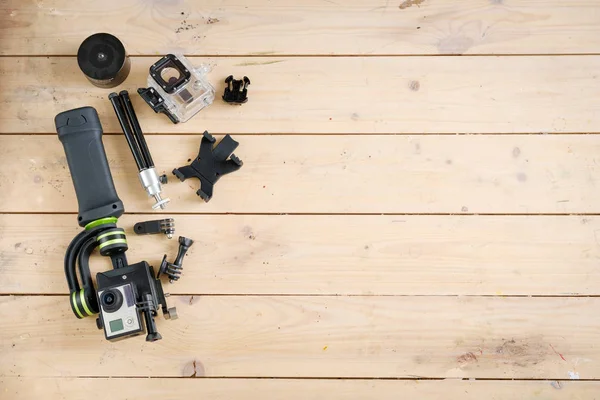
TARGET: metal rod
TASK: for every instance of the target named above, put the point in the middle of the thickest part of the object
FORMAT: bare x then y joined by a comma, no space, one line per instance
137,129
119,110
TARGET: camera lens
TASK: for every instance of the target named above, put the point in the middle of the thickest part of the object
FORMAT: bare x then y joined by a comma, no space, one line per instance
111,300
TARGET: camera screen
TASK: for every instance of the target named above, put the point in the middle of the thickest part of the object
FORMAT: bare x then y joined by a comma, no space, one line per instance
116,325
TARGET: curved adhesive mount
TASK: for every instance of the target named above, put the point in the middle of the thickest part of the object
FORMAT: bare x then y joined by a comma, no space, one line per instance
211,164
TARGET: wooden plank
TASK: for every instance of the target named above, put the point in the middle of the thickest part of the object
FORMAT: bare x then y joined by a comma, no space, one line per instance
267,389
308,27
289,336
333,95
347,255
332,174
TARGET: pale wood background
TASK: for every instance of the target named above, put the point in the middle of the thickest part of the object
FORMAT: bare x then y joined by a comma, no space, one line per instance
418,215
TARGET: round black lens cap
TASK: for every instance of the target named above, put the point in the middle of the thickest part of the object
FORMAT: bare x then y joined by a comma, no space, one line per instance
103,60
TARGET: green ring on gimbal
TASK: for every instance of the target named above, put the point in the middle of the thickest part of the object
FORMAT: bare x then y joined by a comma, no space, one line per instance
101,221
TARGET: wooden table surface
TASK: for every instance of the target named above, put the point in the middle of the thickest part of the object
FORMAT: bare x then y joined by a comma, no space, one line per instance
418,215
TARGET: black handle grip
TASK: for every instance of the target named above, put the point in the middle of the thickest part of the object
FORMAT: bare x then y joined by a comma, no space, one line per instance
80,132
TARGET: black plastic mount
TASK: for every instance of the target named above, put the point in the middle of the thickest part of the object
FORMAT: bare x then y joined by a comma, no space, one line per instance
211,164
236,91
156,102
173,270
166,226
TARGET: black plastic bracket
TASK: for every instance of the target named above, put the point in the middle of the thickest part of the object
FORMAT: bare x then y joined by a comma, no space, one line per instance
211,164
156,102
236,91
166,226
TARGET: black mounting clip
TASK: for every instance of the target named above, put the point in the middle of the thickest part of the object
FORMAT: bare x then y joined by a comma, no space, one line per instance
156,102
166,226
173,270
211,164
236,91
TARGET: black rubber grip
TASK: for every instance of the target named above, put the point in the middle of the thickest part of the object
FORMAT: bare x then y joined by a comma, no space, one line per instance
80,132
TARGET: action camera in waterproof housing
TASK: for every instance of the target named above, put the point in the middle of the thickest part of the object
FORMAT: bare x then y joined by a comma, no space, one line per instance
177,89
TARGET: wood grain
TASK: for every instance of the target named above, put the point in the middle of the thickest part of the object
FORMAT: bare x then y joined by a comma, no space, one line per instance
342,95
330,255
347,259
290,336
332,174
271,389
308,27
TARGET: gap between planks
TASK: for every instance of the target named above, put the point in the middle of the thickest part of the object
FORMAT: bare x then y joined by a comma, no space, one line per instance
529,296
349,214
370,135
157,56
300,388
310,378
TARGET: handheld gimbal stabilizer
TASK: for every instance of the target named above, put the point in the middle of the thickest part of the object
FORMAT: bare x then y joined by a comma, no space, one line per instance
128,291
